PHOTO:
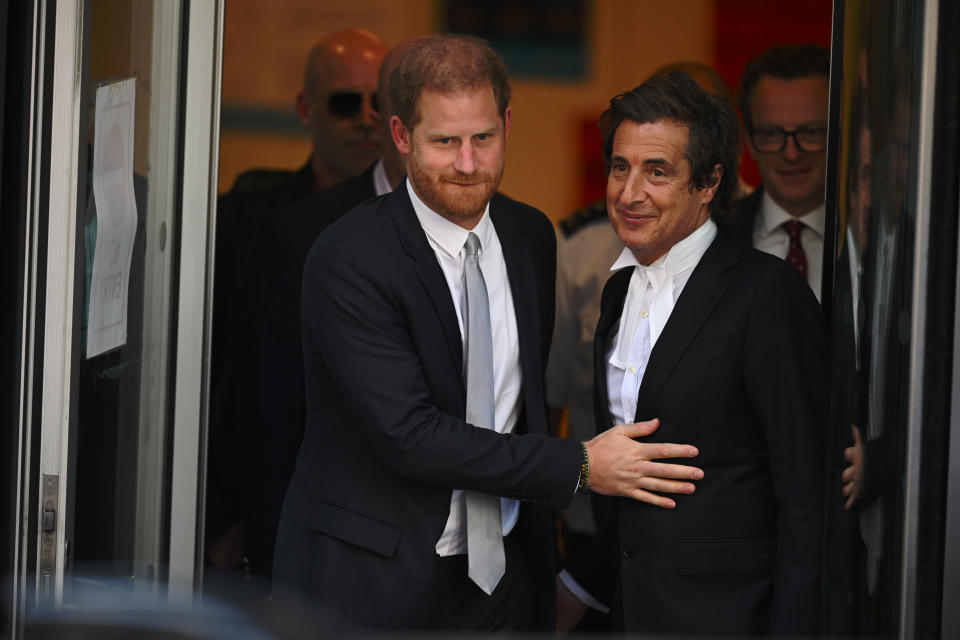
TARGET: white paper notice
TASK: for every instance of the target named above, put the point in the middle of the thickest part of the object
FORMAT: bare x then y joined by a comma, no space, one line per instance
116,216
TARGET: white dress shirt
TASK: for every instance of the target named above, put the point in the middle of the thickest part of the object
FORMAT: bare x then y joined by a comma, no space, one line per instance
447,240
651,296
380,183
853,262
770,236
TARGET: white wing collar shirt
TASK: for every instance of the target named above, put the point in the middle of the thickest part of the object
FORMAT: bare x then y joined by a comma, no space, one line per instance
447,240
651,296
770,236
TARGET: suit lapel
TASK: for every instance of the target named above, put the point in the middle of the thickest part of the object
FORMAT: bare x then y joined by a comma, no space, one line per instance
700,295
523,290
415,244
611,307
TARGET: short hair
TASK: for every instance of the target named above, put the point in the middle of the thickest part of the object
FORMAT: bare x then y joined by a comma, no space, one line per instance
446,63
785,62
706,77
711,125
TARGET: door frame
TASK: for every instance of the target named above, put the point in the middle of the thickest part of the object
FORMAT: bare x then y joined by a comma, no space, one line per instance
53,287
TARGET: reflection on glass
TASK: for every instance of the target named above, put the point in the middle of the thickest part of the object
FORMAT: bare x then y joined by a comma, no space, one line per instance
871,321
119,532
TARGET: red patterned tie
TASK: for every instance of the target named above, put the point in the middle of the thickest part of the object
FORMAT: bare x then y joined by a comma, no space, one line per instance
795,254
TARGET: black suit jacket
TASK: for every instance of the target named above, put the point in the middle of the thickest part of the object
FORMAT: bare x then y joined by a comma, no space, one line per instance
743,217
285,240
740,372
233,408
385,440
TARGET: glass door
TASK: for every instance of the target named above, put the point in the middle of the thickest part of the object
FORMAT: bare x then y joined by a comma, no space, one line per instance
894,198
127,243
125,115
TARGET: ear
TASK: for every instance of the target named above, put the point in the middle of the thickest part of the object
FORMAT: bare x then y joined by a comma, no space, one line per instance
303,108
710,191
401,135
506,122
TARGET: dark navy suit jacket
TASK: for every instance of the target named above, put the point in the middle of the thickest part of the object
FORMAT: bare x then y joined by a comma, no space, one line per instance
386,441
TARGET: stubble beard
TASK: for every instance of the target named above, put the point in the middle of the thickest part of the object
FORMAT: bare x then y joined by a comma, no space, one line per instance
442,194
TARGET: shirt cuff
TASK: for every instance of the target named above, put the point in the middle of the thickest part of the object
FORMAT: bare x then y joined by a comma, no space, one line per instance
580,594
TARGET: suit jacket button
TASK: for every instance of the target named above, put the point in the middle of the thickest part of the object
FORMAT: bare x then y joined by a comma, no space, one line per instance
628,551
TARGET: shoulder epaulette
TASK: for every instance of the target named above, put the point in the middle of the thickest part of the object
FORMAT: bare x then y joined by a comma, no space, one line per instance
582,217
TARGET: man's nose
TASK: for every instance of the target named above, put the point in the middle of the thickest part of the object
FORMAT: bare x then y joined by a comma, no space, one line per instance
367,116
466,159
790,150
633,189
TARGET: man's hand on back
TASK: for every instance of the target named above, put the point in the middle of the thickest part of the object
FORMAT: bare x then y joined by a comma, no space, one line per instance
621,466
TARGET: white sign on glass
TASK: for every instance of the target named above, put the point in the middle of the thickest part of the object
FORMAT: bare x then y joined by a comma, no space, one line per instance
116,216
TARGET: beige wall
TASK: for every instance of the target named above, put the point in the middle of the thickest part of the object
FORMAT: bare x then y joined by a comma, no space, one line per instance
266,43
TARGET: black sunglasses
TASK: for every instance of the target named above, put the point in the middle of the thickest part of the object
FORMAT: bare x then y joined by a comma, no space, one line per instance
347,104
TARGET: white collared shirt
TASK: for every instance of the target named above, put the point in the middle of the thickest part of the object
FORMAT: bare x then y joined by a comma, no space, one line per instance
853,263
770,236
380,183
651,296
447,239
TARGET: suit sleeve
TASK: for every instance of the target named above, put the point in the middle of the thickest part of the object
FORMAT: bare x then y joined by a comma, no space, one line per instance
355,313
785,368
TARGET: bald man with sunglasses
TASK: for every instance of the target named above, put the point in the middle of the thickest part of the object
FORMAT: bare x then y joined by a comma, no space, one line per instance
338,105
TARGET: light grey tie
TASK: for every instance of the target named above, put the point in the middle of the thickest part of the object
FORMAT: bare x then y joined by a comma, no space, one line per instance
485,559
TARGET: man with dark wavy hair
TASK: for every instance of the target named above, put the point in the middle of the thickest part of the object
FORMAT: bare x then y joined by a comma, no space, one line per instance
725,346
421,493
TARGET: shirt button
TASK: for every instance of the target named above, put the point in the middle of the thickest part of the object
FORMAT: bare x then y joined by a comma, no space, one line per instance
644,314
628,552
633,369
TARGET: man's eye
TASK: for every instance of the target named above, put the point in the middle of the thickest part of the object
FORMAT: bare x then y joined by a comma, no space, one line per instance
482,136
619,167
814,135
768,135
444,140
660,173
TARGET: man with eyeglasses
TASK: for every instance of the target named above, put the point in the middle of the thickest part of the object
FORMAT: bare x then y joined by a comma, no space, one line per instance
338,105
783,101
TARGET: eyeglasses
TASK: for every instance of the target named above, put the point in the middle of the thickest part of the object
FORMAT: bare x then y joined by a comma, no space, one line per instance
774,139
347,104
